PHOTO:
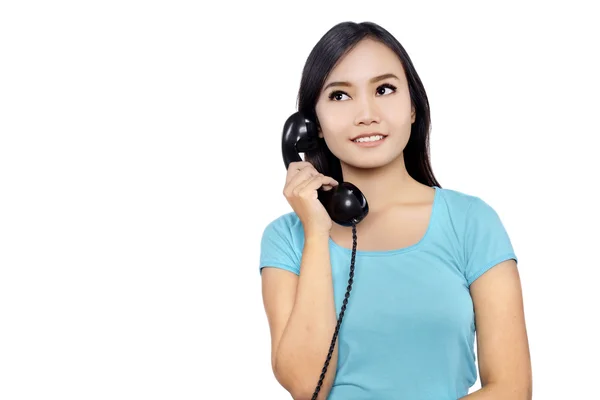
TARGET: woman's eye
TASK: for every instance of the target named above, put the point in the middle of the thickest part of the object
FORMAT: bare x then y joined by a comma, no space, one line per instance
383,87
336,95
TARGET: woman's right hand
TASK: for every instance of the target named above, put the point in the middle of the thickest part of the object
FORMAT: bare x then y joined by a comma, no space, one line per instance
302,182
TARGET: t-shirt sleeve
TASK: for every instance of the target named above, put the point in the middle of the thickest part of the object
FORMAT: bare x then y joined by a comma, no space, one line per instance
277,249
487,242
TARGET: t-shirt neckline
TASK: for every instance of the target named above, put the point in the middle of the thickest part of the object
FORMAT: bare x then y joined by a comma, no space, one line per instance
399,250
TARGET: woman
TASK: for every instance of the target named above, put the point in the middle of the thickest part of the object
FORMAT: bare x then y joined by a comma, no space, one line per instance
433,265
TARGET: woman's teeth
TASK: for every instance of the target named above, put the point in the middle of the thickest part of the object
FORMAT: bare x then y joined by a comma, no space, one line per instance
369,138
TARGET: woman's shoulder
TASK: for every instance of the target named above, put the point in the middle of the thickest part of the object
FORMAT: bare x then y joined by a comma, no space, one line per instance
281,243
458,200
286,225
288,220
464,207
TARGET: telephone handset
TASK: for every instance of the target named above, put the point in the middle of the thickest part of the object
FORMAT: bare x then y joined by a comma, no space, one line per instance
345,204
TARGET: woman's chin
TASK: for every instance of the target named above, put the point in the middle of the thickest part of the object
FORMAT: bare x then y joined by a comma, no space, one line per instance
368,164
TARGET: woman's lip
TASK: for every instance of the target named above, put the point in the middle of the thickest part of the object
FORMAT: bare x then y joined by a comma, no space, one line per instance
368,134
370,144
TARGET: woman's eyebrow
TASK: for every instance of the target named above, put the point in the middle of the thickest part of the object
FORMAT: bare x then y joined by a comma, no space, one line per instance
373,80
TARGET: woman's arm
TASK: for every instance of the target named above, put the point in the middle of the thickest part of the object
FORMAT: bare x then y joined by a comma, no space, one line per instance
502,344
302,320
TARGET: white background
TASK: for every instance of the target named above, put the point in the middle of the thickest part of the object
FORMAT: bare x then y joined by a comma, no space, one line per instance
140,162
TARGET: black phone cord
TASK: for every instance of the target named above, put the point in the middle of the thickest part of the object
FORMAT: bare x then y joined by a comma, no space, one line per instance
343,310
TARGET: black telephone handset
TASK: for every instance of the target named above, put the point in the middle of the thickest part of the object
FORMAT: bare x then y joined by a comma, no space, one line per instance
345,204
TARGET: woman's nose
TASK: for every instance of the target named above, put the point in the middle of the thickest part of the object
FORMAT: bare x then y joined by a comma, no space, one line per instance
367,112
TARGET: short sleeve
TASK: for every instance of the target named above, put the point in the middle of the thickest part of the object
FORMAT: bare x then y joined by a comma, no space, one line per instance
486,241
277,249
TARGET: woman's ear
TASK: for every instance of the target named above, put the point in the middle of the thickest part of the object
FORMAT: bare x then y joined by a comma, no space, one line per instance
412,115
319,131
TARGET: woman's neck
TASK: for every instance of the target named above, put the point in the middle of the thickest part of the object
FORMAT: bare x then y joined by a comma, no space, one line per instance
384,186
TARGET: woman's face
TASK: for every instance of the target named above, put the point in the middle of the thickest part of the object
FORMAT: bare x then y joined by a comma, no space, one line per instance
366,92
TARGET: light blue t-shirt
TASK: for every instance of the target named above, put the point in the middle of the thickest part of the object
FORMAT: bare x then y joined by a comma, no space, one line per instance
409,329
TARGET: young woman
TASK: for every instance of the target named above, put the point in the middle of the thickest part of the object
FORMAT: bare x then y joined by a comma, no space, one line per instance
432,266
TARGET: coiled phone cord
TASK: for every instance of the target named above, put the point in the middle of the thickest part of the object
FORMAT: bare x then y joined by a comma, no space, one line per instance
343,310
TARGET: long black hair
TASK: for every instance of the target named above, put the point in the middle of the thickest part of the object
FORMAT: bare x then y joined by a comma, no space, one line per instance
337,42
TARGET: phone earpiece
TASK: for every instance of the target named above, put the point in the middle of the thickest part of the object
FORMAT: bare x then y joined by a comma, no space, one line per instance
345,204
299,136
